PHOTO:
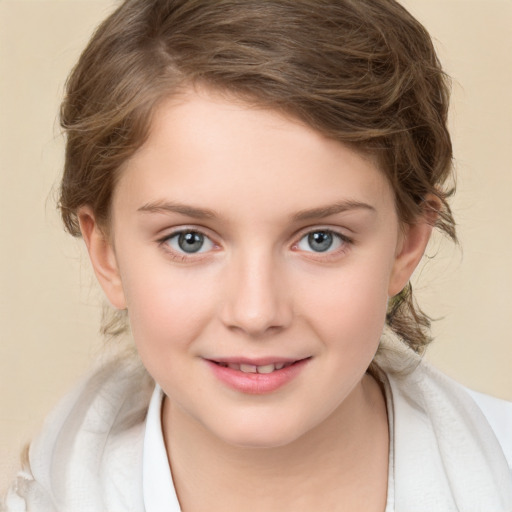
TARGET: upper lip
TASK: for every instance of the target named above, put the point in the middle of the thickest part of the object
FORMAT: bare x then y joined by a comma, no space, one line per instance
257,361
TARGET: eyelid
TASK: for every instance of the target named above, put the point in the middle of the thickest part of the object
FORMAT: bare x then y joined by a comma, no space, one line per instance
175,231
346,242
341,232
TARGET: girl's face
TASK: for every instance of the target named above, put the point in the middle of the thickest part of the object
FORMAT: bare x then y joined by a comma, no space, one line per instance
256,258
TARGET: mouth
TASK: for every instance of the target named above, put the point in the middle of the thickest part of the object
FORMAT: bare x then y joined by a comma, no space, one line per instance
253,368
257,376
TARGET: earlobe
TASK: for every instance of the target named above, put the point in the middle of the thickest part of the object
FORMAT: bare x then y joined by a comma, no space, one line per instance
412,245
103,258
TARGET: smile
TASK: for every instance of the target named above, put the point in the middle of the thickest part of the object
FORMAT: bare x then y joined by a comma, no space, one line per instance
252,368
249,377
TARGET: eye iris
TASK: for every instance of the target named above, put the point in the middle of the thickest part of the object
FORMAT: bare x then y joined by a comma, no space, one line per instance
190,241
320,241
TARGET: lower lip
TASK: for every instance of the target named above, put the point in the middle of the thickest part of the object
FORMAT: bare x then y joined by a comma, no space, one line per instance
257,383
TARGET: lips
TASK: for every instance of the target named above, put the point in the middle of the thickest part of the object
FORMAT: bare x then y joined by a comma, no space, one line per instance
257,377
253,368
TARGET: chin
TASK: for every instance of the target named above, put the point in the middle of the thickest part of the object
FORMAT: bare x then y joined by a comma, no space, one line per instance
260,442
260,435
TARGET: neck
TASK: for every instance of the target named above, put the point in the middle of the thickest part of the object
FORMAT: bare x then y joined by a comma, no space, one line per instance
339,465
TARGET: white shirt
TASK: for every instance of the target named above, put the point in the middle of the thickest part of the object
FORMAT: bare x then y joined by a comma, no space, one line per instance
158,488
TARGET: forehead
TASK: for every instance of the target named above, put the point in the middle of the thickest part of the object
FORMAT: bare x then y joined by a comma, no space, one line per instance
217,151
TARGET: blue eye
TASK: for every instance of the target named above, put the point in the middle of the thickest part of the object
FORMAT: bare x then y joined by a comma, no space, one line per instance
320,241
189,242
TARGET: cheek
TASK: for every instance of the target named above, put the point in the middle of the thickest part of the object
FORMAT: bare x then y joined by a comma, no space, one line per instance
349,304
167,308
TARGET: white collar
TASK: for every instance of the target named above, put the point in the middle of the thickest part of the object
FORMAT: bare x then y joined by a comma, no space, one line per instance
158,488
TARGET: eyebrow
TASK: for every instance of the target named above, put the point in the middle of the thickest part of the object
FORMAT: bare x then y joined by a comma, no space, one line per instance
183,209
205,213
326,211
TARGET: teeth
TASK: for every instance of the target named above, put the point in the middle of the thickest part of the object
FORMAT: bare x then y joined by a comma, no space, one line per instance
252,368
268,368
248,368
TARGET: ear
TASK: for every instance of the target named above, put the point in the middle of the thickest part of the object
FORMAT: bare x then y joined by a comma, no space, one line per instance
103,257
411,247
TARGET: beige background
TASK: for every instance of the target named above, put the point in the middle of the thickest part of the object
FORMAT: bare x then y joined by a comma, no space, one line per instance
49,305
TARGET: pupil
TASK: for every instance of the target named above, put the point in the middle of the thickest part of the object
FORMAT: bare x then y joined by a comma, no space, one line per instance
190,242
320,241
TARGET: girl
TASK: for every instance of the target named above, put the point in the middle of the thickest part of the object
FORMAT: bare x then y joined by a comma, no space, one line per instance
255,183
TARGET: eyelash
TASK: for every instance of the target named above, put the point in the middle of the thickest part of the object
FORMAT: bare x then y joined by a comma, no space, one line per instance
344,241
184,256
329,254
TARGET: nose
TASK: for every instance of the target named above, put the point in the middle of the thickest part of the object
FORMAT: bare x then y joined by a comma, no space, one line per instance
257,300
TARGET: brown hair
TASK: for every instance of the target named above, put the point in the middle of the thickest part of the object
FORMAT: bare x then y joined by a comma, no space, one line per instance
363,72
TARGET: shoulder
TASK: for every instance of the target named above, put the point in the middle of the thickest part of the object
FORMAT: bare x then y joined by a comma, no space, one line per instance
499,415
90,444
421,391
447,447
